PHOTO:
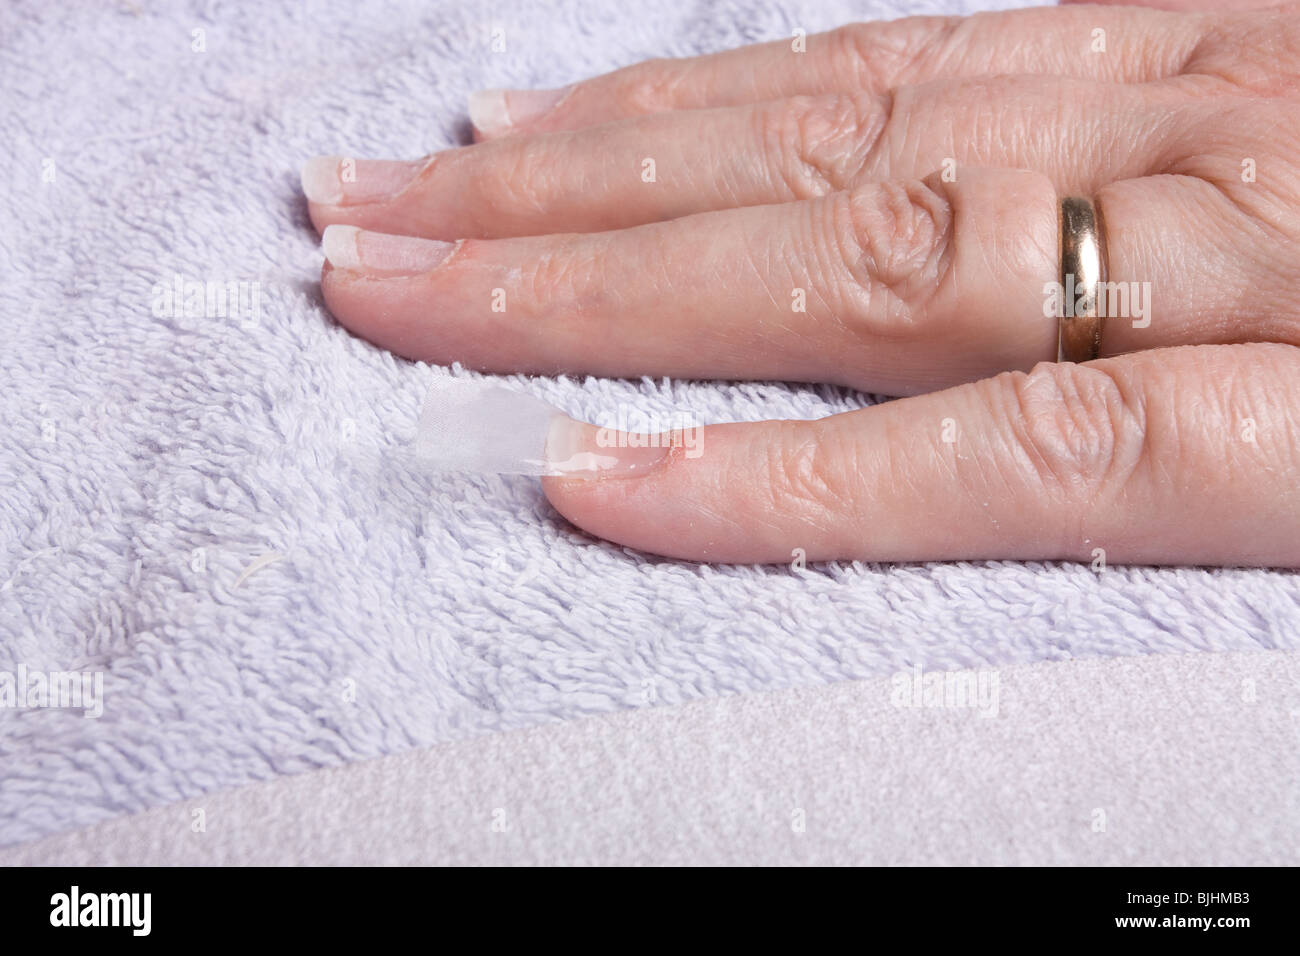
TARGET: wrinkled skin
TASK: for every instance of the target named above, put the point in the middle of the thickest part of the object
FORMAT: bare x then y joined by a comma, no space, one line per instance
905,176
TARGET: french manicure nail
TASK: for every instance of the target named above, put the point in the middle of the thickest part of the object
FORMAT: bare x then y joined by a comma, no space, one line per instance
475,426
341,181
379,254
497,111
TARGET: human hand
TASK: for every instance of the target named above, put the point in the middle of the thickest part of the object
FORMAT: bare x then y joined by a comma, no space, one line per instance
905,178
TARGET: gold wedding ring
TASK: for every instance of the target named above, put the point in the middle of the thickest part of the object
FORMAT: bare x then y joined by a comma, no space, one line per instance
1083,279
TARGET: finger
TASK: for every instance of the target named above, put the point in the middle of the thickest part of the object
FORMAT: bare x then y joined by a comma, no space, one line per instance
1205,252
1208,5
1081,133
1179,456
894,288
1138,45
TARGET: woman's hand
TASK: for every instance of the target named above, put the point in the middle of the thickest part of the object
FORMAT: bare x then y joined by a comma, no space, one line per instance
878,207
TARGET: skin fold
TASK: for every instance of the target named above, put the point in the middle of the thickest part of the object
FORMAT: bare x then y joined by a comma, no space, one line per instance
879,210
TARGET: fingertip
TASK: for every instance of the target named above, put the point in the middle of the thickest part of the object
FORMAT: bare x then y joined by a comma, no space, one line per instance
703,503
319,216
392,313
625,511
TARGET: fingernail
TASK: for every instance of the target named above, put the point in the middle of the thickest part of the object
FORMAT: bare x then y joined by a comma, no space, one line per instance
497,111
474,426
342,181
576,449
378,253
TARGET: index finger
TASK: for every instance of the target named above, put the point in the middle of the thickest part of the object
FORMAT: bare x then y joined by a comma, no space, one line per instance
1171,456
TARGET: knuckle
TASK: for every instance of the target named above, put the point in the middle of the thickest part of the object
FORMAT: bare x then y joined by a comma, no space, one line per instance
814,142
648,87
878,53
563,283
894,241
1258,402
1256,50
881,125
1267,136
1078,431
1232,411
807,471
551,278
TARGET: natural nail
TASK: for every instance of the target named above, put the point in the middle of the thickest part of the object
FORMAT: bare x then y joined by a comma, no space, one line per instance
377,253
341,181
576,449
497,111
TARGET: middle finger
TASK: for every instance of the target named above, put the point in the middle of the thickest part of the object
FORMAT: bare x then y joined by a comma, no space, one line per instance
1080,133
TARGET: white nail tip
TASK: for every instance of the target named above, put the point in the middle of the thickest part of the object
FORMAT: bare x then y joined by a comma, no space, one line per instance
488,112
320,180
339,244
475,426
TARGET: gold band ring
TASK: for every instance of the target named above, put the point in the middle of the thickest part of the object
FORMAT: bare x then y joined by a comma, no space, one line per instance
1083,278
